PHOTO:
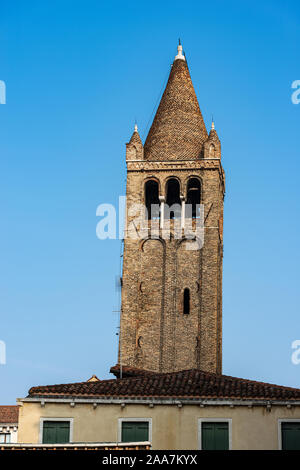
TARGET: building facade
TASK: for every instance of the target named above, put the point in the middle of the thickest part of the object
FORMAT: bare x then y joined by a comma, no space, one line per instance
180,410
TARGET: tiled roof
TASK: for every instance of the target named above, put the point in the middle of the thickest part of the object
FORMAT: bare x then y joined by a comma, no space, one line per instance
184,384
9,414
178,130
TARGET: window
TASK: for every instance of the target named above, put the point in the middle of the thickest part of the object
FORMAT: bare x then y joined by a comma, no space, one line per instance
186,301
5,438
152,199
173,201
193,198
134,429
215,434
290,435
56,432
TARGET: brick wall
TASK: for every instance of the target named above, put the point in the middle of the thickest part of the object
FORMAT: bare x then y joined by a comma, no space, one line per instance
155,334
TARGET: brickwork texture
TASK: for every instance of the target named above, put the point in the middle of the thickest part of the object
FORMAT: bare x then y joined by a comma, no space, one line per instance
155,333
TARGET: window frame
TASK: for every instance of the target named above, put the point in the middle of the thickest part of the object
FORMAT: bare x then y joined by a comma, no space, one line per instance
122,420
214,420
279,427
5,434
42,420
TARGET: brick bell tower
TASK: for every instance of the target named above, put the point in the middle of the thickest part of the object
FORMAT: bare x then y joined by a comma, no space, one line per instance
171,313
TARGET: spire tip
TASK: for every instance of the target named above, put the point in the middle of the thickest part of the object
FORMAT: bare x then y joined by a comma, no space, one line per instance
179,55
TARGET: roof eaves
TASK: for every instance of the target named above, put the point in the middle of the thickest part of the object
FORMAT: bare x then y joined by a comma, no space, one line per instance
167,400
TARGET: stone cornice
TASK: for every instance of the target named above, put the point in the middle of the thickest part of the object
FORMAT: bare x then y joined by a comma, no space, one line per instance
144,165
158,401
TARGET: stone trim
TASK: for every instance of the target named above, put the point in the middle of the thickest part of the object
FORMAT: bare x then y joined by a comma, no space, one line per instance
160,401
184,165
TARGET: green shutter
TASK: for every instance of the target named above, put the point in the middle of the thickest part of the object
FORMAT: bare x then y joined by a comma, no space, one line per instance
290,433
56,432
215,436
135,431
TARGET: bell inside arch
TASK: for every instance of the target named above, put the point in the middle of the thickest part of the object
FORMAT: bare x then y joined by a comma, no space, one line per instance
193,198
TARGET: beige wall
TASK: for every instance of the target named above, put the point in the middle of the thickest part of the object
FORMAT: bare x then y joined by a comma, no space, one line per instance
172,427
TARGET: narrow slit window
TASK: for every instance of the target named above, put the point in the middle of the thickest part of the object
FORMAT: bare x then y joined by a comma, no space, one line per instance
186,301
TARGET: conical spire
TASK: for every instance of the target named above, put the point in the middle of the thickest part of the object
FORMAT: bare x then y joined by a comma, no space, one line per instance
178,130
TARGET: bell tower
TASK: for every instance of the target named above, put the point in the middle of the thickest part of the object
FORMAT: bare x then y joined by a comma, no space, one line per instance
171,313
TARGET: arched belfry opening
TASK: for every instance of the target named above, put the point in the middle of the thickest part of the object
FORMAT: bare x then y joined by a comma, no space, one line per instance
173,201
193,198
152,199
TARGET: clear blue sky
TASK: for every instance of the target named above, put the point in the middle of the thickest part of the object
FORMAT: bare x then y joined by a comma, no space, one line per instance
77,75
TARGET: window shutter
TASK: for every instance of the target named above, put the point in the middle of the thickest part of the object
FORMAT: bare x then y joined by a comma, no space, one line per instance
215,436
135,431
290,434
56,432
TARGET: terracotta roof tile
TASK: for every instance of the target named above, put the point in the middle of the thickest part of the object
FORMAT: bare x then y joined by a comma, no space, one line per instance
9,414
188,383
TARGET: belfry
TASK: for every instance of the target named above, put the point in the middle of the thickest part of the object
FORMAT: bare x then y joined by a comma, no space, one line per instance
171,312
